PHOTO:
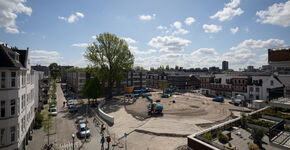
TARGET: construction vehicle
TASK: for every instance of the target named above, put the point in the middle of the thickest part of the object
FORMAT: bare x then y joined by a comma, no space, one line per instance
169,91
218,99
154,108
165,96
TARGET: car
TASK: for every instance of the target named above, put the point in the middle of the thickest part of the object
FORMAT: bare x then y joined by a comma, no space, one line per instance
70,102
83,130
79,118
81,121
53,111
72,108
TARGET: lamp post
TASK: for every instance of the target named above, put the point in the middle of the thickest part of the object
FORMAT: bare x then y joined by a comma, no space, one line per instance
73,137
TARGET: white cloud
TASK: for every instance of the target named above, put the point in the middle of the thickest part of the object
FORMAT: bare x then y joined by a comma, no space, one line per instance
72,18
277,14
169,43
161,27
8,14
204,52
211,28
229,11
179,30
147,17
234,30
259,44
189,20
11,30
129,40
94,37
80,45
177,24
135,50
44,57
44,52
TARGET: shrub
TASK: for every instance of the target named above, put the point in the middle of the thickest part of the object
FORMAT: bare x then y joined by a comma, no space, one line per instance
38,120
252,146
262,123
207,136
223,138
258,135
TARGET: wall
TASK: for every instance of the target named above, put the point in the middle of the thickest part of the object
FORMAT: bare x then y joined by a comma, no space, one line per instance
106,117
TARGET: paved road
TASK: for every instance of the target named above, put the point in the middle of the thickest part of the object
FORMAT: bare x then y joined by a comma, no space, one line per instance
64,127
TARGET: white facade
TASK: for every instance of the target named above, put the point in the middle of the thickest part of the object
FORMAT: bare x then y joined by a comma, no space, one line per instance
38,75
261,92
16,106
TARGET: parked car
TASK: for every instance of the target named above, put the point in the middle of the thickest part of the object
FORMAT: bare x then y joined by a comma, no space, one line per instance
72,108
79,118
83,130
70,102
53,111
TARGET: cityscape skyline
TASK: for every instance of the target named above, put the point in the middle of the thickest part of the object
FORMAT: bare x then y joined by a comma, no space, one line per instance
181,34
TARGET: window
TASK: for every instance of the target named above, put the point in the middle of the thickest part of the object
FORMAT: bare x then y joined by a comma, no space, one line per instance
3,77
257,90
2,140
13,104
12,134
13,79
257,97
2,108
251,89
272,83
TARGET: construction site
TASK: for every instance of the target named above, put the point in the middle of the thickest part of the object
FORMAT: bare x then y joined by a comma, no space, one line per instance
155,120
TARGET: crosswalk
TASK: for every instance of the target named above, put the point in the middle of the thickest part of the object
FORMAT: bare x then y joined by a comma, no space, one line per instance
68,146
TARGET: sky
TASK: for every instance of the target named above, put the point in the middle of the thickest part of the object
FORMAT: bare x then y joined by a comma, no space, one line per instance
187,33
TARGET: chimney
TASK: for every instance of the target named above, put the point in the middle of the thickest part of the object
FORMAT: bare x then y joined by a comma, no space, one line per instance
27,48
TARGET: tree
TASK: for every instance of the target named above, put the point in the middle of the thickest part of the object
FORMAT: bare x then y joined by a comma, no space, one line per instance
167,67
176,67
112,55
252,146
55,70
92,89
258,134
47,123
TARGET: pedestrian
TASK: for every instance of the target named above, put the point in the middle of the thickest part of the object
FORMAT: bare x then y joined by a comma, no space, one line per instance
63,103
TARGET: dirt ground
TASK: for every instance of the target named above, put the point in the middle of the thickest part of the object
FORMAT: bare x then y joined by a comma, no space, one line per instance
191,112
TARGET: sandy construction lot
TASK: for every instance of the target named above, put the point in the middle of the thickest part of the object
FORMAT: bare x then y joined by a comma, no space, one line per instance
190,113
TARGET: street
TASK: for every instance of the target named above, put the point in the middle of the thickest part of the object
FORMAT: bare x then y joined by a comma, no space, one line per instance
64,126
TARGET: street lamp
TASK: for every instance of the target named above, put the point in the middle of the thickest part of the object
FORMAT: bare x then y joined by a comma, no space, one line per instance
73,137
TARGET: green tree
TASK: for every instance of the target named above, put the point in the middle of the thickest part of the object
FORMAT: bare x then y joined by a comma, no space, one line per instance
167,67
92,89
47,123
55,70
258,134
112,55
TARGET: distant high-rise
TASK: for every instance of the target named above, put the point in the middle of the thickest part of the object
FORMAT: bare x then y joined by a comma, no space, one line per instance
225,65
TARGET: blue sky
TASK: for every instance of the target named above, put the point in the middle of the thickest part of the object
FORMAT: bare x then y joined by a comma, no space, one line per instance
159,32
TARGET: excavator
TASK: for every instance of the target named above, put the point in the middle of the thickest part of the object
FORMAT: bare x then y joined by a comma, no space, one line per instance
154,108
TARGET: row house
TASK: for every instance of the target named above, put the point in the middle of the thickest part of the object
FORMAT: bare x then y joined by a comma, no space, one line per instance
17,98
251,87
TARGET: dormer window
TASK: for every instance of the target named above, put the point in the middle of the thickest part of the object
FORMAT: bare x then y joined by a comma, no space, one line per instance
16,57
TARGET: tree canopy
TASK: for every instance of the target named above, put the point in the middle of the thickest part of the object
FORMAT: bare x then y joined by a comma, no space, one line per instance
112,55
92,88
55,70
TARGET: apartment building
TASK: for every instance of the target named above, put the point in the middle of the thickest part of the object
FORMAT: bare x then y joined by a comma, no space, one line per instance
136,78
17,98
250,86
153,78
279,59
76,80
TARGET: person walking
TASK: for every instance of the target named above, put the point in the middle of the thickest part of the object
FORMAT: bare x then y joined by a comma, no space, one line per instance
63,103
